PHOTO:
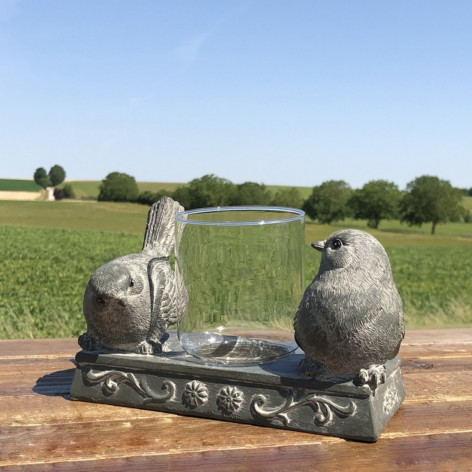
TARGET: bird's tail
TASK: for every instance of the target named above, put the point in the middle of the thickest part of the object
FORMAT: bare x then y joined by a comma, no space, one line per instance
159,236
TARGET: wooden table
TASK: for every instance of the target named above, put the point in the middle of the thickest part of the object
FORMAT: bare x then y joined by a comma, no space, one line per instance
42,429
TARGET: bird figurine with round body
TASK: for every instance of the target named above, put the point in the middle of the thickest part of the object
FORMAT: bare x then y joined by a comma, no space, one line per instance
350,319
130,301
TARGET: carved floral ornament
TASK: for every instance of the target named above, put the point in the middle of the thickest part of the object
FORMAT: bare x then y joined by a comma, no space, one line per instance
195,394
230,399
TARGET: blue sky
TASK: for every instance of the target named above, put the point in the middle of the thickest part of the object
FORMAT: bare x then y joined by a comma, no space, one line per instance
293,92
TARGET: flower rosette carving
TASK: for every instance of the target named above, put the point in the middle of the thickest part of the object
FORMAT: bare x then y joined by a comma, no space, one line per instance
229,399
195,394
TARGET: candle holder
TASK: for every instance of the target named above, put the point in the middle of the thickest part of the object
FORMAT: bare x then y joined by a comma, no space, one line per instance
243,270
233,289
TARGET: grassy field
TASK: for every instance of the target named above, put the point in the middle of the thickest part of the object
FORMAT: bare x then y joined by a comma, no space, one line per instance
89,215
84,189
305,192
18,185
467,203
50,249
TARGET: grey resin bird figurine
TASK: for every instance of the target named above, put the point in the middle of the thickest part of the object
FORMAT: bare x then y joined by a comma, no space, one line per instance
130,301
350,319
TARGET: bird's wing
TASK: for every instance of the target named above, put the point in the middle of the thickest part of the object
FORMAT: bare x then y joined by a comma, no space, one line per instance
389,321
168,300
309,333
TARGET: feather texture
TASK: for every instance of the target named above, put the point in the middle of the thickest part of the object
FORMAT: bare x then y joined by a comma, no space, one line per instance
351,315
130,301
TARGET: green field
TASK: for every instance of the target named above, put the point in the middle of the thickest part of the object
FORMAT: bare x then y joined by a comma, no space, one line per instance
18,185
305,192
50,249
467,203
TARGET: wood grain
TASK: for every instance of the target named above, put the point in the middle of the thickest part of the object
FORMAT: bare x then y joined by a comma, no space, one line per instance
42,430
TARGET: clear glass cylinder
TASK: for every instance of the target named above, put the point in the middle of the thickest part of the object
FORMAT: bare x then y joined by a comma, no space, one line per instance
242,268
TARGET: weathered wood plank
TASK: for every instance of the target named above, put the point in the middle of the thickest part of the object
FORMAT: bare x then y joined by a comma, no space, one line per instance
120,438
58,347
441,452
438,387
41,429
297,459
89,438
427,351
432,453
44,410
438,336
37,375
437,364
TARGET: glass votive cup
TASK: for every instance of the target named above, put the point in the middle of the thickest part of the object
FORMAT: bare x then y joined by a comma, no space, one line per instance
242,268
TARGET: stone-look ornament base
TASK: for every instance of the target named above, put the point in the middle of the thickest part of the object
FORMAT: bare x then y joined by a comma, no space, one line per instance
274,394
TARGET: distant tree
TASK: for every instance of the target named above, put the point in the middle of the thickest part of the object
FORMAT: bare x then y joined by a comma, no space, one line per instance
56,175
118,187
207,191
250,193
288,197
377,200
470,192
58,194
68,191
182,195
429,199
41,177
328,201
148,198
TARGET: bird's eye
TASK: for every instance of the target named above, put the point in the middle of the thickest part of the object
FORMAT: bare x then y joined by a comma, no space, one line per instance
336,244
131,283
100,300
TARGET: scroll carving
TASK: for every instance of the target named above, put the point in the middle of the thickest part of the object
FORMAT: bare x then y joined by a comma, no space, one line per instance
323,408
112,379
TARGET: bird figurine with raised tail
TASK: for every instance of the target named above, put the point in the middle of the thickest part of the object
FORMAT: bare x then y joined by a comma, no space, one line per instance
350,319
130,301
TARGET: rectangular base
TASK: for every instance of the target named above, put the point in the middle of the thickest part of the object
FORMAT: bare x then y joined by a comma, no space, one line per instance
274,394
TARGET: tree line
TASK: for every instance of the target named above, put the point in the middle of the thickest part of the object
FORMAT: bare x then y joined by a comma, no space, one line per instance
427,199
206,191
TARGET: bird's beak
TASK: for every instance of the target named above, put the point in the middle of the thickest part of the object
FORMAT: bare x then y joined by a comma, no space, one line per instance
318,245
123,301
